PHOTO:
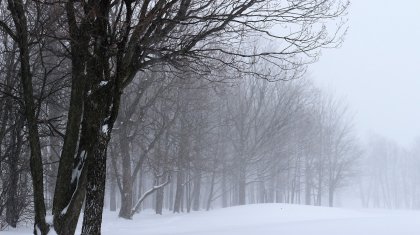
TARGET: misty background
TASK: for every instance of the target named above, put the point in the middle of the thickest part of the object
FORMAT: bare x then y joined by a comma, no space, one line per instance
376,69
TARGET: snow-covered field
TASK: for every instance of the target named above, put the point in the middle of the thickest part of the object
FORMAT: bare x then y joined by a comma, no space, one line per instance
264,219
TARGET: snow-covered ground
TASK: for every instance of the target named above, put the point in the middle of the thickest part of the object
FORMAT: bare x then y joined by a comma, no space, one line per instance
267,219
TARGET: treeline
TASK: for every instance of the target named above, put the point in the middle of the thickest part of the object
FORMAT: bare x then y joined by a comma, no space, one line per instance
390,174
202,145
169,101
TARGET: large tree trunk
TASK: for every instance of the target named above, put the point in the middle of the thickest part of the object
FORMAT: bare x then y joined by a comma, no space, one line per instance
70,185
94,204
100,114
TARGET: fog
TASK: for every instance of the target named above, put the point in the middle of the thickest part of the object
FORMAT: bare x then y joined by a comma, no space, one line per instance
376,69
196,117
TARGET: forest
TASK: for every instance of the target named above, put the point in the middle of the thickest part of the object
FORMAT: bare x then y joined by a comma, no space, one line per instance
179,106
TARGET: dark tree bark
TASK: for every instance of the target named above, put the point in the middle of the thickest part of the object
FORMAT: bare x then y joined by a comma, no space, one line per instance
100,113
92,218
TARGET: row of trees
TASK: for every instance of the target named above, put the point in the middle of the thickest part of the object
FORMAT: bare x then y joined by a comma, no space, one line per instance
69,68
390,175
200,145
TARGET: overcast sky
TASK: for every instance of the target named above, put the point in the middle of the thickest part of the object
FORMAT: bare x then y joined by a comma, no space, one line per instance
377,69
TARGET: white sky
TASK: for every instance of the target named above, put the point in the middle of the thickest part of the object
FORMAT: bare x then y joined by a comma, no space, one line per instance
377,69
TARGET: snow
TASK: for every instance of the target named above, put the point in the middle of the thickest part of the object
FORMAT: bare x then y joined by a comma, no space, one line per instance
64,211
52,232
38,231
103,83
267,219
75,174
49,219
105,128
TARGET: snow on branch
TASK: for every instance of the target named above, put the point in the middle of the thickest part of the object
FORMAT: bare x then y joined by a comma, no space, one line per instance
147,193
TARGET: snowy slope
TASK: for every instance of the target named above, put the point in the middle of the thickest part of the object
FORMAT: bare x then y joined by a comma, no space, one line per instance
265,219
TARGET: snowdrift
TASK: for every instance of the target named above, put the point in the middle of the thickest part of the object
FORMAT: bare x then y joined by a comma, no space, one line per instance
263,219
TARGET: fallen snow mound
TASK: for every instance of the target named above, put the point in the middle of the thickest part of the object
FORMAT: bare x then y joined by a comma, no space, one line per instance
267,219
